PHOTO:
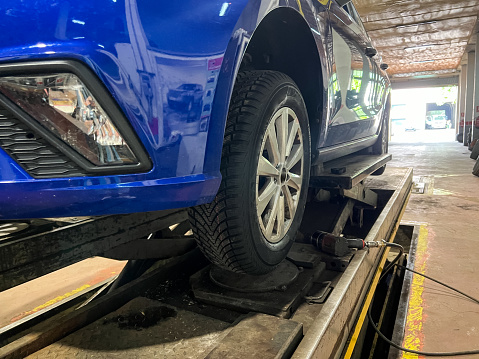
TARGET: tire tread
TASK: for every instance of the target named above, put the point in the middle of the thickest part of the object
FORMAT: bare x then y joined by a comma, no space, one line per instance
217,230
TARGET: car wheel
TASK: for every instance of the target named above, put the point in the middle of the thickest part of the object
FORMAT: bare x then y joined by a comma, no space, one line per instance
265,166
381,145
475,170
475,150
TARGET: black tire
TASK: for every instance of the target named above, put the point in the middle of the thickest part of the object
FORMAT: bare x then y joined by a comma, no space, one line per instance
475,151
228,230
475,170
459,137
381,146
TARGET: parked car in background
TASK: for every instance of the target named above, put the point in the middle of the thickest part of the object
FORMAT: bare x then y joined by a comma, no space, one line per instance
223,107
436,119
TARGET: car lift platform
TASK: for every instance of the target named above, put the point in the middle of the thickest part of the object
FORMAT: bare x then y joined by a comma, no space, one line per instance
347,172
184,308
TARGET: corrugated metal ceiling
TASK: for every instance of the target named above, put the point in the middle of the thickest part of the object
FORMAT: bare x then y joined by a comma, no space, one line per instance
420,38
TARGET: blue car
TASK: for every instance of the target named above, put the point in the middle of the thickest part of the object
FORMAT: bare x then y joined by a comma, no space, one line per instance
227,108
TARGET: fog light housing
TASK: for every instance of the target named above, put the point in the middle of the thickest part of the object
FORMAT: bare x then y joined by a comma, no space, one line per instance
62,104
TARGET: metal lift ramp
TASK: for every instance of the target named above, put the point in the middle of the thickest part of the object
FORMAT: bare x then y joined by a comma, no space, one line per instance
328,333
307,311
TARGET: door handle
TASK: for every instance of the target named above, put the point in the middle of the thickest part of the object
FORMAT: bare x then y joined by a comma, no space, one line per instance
370,51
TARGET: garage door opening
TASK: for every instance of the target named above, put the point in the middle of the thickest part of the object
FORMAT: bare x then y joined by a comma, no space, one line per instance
424,115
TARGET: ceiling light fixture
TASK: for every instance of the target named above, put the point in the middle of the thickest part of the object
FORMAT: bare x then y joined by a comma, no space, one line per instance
424,73
420,47
417,24
421,62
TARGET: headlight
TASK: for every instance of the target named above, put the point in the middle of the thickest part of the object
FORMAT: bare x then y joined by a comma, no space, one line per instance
63,105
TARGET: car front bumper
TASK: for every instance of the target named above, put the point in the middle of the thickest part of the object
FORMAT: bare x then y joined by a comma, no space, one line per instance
24,197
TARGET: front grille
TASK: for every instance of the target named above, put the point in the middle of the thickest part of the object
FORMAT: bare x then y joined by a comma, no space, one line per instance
37,156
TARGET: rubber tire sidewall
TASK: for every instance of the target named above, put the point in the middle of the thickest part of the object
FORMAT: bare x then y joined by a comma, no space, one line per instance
285,95
475,170
378,148
475,151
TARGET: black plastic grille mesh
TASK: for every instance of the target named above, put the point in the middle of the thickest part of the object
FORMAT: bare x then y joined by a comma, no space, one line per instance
35,154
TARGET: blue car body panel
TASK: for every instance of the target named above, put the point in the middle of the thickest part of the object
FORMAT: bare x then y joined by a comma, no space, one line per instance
171,68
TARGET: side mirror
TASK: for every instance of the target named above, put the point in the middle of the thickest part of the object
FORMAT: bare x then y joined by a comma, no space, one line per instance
370,51
341,3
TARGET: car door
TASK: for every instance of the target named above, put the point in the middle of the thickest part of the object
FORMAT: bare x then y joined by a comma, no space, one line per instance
352,86
378,83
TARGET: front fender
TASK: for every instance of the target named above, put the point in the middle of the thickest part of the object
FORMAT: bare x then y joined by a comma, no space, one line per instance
252,16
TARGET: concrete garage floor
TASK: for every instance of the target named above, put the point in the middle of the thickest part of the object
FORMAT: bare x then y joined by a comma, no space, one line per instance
448,245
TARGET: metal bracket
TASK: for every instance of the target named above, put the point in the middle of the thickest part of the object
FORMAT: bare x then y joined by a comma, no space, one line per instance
342,218
316,296
362,194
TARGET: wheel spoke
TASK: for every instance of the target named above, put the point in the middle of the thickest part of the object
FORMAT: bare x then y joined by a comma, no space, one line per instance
294,181
265,168
290,201
280,216
272,217
295,157
282,131
272,145
292,131
265,196
279,174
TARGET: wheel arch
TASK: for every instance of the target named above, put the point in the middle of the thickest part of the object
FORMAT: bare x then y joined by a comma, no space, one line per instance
256,50
292,50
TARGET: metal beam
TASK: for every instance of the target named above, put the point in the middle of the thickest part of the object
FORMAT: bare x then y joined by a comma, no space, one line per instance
27,258
471,59
342,218
151,248
422,83
475,110
462,100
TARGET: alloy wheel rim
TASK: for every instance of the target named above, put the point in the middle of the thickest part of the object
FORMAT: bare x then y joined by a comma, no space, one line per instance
279,174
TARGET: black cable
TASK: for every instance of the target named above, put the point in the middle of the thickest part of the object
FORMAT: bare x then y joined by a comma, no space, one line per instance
371,321
443,284
390,265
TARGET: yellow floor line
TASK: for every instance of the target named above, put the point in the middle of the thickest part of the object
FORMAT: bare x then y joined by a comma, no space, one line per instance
413,338
370,295
57,299
367,303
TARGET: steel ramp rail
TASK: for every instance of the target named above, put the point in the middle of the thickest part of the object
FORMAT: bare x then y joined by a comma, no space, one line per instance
327,335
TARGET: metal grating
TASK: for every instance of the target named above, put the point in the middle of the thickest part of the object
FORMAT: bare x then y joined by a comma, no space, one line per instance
35,154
